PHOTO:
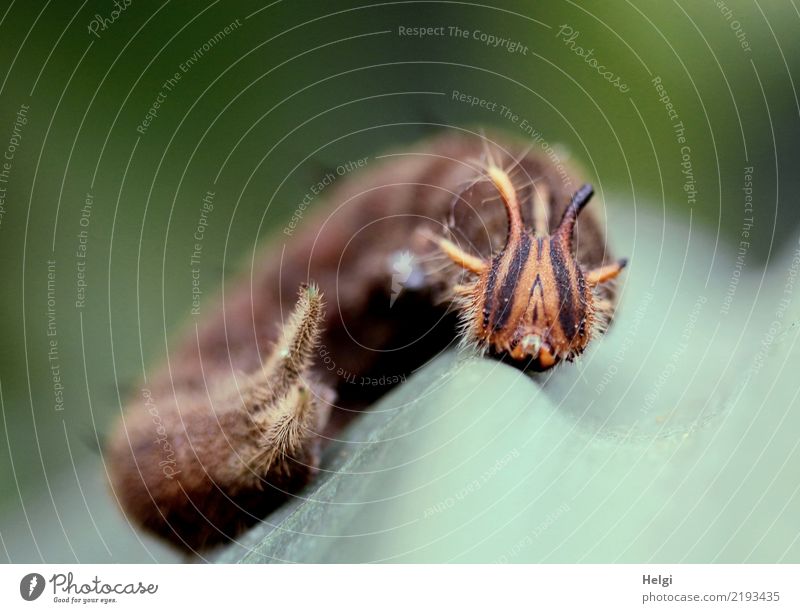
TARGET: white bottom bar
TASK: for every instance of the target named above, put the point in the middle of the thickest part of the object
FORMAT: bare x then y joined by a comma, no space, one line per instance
403,588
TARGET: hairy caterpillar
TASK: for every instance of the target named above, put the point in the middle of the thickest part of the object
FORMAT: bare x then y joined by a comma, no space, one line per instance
464,237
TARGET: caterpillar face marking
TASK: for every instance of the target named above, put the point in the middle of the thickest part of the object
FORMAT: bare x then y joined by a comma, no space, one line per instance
531,300
233,425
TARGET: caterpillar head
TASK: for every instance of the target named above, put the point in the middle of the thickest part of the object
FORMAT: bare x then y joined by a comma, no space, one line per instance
531,300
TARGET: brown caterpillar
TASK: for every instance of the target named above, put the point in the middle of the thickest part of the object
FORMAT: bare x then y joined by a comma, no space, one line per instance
463,237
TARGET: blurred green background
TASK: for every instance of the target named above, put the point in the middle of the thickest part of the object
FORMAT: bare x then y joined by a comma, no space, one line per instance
296,87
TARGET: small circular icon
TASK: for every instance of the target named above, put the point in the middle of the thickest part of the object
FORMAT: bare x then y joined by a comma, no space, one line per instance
31,586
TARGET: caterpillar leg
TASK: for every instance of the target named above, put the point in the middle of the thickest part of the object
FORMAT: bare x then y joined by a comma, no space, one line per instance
605,273
458,256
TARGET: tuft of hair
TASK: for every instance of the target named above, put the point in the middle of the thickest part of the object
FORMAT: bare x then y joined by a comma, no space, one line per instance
293,352
467,309
284,407
286,432
602,313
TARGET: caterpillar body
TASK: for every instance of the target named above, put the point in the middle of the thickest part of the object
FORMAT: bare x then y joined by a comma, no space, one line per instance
463,238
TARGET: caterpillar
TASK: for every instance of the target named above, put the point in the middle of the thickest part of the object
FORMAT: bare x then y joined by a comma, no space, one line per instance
465,238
